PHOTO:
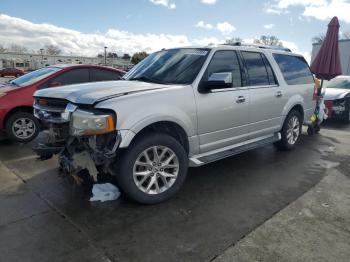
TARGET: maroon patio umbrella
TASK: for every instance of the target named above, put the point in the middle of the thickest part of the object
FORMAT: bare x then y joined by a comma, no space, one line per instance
326,64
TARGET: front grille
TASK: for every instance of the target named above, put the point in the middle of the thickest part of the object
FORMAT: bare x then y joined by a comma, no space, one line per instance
51,103
50,109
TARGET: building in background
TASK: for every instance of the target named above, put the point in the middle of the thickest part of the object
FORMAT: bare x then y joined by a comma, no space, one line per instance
344,49
30,62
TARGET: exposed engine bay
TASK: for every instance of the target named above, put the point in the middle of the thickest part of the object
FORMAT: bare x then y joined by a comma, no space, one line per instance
94,150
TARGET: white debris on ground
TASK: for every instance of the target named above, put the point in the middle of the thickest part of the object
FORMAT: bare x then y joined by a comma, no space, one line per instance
104,192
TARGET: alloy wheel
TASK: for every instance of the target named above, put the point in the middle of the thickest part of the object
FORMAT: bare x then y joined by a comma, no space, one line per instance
156,170
293,131
23,128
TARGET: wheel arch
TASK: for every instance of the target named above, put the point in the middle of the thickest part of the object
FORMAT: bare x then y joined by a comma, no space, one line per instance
299,108
27,109
171,128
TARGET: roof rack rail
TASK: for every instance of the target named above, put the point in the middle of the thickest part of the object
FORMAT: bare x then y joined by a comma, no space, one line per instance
281,48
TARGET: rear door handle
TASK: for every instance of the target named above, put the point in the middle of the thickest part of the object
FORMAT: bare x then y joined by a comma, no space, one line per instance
279,94
240,99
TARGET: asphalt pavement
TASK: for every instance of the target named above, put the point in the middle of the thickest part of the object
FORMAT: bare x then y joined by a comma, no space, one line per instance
45,217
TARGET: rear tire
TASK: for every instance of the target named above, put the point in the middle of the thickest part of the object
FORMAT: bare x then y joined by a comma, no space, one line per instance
291,131
152,179
22,127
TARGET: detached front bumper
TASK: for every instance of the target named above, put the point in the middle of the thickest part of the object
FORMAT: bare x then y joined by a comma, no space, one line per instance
338,109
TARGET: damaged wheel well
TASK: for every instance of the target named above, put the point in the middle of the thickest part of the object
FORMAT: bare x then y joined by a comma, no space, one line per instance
166,127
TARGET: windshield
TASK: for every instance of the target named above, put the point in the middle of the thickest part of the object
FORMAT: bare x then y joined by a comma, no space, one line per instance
34,76
342,83
174,66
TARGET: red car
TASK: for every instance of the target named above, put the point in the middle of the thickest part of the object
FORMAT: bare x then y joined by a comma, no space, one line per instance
11,72
16,96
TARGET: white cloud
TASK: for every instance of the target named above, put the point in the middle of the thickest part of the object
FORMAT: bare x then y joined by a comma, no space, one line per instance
165,3
225,28
209,2
208,40
269,26
318,9
202,24
271,10
35,36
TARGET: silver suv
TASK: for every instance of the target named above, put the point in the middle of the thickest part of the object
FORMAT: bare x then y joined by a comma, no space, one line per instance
177,108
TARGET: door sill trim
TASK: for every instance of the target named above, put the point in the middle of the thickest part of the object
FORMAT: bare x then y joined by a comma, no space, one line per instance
218,154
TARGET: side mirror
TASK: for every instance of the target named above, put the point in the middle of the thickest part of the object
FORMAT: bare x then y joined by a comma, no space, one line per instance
216,81
55,84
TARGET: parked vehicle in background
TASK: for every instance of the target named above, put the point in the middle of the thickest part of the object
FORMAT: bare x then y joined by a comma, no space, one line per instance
178,107
337,98
11,72
16,97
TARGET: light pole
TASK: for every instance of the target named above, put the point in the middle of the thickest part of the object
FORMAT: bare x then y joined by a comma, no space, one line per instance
106,55
42,56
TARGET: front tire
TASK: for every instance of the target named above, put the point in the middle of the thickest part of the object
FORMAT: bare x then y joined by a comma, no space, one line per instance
22,127
291,131
153,168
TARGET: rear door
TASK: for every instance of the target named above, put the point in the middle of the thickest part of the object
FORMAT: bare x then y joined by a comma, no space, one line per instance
223,114
267,96
298,80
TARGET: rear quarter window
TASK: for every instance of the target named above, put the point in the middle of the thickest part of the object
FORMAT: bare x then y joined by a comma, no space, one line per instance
295,69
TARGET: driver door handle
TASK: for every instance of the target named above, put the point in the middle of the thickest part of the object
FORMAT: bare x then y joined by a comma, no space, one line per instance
279,94
240,99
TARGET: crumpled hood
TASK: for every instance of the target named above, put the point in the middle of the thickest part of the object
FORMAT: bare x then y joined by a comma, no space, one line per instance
336,93
91,93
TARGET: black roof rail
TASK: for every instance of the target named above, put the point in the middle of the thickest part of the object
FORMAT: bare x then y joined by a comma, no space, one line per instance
273,47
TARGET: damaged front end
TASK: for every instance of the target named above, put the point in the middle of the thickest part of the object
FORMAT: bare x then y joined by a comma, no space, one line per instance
83,138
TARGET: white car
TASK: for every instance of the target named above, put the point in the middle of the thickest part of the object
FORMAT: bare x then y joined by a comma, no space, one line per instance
337,98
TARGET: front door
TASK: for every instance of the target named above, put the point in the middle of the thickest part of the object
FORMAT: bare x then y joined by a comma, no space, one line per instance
223,114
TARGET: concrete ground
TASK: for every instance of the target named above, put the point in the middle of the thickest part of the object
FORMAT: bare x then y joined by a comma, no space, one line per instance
316,227
44,217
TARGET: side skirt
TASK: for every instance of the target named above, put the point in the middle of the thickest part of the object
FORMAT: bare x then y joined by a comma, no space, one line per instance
215,155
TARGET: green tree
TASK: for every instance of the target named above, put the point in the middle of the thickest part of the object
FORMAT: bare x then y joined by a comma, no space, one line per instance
112,55
126,57
138,56
268,40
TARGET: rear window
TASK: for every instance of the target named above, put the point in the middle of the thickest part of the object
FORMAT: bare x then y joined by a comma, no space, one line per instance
104,75
295,69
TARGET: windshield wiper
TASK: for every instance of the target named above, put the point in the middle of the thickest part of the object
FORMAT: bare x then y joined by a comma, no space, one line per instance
146,79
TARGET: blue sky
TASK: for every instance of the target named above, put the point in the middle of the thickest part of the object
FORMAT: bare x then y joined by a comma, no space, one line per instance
82,26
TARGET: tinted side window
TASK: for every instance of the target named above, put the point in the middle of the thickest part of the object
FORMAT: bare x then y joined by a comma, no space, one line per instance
295,70
257,71
224,62
75,76
104,75
270,74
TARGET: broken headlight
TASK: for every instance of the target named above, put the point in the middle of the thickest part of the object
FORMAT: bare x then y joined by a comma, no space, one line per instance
88,123
339,106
